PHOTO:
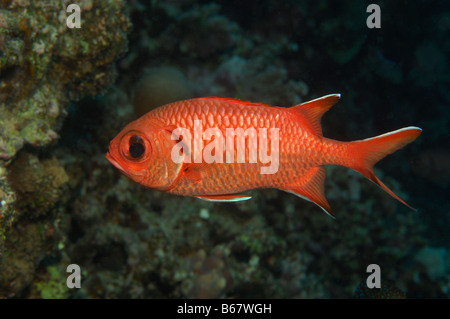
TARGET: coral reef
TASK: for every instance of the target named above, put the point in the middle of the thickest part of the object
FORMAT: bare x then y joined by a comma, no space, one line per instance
54,286
253,79
7,201
30,231
386,291
38,184
217,57
44,64
21,255
211,276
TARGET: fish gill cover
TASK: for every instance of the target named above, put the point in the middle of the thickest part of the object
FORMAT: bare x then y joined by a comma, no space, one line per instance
66,92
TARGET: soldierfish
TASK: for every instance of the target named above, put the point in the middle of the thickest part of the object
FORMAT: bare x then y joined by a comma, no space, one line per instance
144,150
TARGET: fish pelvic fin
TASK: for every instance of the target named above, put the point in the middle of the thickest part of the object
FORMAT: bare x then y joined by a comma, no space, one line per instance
313,111
312,188
364,154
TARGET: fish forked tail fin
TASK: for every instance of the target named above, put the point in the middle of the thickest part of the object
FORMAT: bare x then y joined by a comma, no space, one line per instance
366,153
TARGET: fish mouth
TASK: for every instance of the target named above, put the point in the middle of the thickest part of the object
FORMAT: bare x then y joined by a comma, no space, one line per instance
134,175
115,163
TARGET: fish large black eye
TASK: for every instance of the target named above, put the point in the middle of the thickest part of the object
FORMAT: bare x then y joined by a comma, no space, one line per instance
137,147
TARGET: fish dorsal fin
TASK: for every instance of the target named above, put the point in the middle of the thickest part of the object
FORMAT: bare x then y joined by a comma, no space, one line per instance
234,101
313,110
225,198
312,188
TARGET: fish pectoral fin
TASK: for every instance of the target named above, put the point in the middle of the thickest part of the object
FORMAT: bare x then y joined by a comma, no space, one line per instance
225,198
192,172
311,188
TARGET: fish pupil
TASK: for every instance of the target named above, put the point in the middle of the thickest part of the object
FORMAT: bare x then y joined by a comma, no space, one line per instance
136,148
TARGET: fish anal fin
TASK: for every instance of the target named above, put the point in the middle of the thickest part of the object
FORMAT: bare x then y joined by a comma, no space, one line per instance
225,197
313,110
312,188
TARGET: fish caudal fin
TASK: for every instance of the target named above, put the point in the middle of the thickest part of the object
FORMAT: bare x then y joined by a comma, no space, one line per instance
364,154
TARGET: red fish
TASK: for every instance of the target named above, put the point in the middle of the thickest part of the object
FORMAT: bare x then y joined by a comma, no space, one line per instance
163,149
